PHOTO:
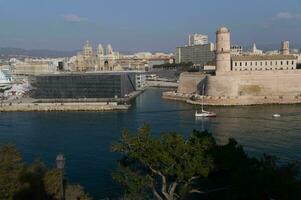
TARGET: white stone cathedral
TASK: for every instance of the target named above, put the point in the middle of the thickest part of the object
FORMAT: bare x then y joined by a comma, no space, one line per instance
105,59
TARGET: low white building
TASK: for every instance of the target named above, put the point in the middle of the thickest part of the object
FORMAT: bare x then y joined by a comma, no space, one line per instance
263,62
236,50
140,81
197,39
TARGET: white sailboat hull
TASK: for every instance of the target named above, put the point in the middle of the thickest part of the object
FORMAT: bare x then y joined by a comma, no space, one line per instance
205,114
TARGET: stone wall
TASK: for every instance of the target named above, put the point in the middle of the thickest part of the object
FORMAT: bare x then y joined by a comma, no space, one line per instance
262,83
191,82
61,107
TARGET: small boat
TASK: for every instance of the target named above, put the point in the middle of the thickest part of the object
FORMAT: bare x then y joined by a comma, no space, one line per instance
276,115
204,113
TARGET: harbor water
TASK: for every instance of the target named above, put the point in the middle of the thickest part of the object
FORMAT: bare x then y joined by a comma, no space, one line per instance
85,137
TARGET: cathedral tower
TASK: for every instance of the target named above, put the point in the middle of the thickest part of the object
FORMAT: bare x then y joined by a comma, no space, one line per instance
285,49
88,50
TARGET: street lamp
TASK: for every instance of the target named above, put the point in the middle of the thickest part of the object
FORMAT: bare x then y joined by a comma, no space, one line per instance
60,164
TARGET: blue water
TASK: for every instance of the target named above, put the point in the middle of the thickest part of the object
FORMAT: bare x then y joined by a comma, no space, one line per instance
85,138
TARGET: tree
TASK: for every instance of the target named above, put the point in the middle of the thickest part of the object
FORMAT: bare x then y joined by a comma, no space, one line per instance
253,178
171,167
35,182
32,180
11,168
165,167
76,192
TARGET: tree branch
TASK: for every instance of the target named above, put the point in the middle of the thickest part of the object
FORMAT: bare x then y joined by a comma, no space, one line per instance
173,188
209,191
163,189
156,194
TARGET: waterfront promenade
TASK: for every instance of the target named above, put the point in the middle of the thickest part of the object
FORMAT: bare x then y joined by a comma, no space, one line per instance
162,84
62,107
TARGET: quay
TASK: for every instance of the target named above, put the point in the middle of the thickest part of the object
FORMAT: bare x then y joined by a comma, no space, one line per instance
161,84
63,107
231,101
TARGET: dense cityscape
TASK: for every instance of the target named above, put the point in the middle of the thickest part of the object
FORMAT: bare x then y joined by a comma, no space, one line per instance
148,107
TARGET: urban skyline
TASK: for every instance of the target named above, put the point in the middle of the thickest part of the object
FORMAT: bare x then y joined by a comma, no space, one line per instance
141,25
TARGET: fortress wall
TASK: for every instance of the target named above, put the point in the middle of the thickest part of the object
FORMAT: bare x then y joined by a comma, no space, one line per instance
191,82
259,83
222,86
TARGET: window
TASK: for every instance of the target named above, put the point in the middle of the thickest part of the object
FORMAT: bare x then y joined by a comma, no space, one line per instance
271,63
251,63
260,63
276,63
287,62
293,62
246,64
235,64
255,63
240,63
281,63
266,63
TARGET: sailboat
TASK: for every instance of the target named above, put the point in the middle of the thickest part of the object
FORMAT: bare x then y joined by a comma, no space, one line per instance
276,115
204,113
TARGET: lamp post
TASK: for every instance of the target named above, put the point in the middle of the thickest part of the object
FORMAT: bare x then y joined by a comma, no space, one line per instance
60,164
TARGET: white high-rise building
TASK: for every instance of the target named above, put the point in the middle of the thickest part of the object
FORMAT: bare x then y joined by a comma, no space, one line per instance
198,39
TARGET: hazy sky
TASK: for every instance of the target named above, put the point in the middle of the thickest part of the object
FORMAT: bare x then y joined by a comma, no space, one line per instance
144,25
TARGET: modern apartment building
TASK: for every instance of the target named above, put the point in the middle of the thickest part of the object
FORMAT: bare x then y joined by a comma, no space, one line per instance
197,54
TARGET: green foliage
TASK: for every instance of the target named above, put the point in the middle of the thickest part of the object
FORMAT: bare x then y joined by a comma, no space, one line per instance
163,162
198,168
76,192
35,182
179,66
252,178
11,168
52,183
137,185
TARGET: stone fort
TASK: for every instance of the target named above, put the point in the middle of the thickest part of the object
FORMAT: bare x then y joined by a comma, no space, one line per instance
246,79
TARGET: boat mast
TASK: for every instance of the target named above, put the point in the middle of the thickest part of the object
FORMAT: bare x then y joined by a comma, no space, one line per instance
203,98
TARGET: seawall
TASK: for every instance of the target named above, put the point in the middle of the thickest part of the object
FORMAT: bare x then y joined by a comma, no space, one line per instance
61,107
232,101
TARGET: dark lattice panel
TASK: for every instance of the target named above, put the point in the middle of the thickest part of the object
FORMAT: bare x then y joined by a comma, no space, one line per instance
83,86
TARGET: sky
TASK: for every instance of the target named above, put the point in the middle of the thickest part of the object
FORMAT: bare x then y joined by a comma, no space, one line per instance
144,25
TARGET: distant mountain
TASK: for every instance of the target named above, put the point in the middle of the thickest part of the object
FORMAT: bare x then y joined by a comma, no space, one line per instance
8,52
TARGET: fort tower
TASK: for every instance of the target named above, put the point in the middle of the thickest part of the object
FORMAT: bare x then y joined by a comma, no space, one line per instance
223,56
